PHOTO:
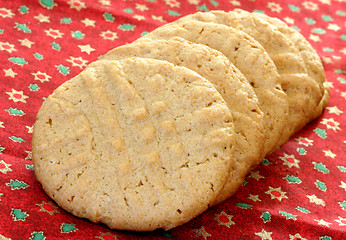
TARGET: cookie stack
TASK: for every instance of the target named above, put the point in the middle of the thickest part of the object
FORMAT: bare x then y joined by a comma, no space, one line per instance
157,131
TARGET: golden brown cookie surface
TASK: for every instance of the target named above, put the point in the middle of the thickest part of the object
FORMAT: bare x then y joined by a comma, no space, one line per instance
137,144
311,59
230,83
303,92
249,57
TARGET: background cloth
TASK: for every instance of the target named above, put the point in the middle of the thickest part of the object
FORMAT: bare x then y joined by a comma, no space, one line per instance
299,192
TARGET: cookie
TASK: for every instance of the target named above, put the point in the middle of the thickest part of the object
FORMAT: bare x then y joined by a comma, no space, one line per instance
137,144
311,59
249,57
302,91
230,83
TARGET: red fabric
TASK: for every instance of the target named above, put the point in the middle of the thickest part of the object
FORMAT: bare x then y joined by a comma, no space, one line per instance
299,192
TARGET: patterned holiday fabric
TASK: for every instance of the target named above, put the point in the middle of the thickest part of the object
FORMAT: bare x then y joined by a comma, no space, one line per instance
299,192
